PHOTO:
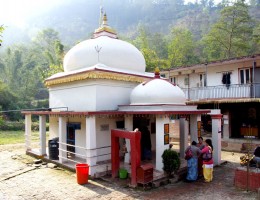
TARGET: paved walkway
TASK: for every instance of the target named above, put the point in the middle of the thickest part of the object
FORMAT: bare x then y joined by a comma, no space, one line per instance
20,179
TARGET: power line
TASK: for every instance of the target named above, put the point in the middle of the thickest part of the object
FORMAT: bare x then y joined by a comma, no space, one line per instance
35,109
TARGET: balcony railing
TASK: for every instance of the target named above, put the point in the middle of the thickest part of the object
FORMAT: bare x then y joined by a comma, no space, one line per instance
223,91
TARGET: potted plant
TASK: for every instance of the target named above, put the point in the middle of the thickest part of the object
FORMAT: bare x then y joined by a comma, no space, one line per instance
171,162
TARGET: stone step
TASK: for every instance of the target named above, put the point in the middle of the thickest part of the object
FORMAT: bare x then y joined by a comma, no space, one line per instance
161,181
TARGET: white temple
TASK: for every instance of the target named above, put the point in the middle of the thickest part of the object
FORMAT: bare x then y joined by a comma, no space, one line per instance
104,86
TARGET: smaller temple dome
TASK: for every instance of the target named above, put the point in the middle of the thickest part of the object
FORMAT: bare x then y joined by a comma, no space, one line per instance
157,91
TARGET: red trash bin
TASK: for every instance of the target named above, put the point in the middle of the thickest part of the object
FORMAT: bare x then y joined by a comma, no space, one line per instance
82,173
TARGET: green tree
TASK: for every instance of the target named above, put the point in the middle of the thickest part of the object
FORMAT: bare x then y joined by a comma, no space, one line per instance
159,45
256,38
48,44
20,72
11,62
53,69
23,67
1,31
231,35
142,42
50,52
6,97
181,48
7,102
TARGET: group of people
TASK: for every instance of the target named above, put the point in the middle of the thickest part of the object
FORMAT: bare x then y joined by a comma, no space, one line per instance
201,163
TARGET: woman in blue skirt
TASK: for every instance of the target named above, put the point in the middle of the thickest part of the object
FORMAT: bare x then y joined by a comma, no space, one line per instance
192,163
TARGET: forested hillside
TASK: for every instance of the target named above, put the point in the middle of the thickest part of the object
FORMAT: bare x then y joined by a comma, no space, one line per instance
168,32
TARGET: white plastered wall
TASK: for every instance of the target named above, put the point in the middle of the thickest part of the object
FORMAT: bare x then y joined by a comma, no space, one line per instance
103,131
53,127
214,74
160,146
80,135
91,95
103,136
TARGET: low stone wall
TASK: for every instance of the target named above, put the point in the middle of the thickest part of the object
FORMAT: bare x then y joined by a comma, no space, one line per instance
246,180
230,146
239,145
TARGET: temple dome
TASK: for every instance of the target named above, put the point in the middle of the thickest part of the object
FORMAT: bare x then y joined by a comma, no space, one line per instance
113,53
157,91
104,48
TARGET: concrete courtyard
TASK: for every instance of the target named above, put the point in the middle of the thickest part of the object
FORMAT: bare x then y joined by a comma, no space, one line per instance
21,179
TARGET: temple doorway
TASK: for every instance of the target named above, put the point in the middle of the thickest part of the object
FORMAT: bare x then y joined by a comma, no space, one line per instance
144,126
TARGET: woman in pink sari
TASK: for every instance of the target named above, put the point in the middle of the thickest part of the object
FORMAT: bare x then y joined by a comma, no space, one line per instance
207,160
201,145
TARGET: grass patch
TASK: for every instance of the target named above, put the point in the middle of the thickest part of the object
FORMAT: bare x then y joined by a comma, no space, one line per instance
15,137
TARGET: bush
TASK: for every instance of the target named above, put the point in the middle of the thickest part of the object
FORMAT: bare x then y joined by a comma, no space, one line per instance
18,126
12,126
1,120
171,161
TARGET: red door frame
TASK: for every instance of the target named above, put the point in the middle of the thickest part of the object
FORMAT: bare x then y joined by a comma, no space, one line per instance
135,138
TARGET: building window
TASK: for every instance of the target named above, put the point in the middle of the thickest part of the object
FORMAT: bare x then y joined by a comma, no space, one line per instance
173,80
245,76
202,82
186,80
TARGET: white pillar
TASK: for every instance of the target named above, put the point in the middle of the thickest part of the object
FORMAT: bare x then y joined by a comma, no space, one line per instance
226,132
216,135
62,139
129,127
160,146
42,131
183,135
28,131
193,128
91,144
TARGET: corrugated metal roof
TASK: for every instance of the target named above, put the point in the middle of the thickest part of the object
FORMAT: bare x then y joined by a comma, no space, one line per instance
220,101
217,62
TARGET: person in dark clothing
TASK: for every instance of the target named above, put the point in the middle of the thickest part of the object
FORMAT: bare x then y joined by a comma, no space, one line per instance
146,146
257,155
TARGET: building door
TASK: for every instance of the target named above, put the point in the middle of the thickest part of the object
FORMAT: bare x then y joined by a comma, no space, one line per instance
142,124
70,141
71,128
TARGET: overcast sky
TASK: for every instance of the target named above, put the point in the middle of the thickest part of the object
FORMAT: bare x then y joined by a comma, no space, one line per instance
17,11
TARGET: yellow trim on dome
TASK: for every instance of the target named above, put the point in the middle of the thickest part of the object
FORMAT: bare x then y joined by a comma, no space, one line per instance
94,75
105,28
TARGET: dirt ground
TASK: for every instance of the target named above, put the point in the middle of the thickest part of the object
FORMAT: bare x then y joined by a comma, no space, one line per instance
21,179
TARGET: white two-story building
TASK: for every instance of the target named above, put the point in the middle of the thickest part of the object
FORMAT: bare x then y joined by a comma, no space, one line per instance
231,85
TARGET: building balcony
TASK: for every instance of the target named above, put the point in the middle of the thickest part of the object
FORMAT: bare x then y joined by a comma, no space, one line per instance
223,91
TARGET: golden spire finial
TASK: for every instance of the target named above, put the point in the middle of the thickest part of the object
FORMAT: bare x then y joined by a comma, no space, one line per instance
157,72
104,27
105,19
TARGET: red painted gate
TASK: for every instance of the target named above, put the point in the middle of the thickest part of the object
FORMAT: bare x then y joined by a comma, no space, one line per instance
134,137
